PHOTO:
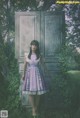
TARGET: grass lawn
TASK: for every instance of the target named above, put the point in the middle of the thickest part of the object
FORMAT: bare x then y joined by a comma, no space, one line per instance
74,74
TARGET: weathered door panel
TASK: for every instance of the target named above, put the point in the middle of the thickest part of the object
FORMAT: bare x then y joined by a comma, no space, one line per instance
51,38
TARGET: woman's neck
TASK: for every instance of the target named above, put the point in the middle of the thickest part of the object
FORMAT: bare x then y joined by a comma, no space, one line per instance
33,52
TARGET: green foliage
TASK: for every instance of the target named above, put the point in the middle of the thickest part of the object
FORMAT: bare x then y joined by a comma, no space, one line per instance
66,59
77,57
13,103
72,24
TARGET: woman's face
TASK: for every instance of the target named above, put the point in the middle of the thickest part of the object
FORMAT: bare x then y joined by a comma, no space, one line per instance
33,47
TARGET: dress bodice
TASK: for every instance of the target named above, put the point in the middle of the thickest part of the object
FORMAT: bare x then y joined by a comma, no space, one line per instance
33,61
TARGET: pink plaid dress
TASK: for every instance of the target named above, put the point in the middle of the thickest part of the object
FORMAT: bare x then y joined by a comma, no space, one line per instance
34,82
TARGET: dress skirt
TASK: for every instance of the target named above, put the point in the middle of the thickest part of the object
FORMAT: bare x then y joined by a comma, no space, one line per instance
34,82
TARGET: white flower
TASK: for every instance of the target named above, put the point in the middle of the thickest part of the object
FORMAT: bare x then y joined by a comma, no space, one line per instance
41,3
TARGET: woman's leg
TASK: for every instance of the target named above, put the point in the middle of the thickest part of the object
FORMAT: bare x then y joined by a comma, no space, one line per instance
37,100
32,102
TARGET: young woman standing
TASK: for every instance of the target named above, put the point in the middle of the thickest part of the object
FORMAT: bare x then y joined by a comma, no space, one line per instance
34,80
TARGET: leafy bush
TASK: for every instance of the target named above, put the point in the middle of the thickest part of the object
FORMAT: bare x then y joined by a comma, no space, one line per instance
67,60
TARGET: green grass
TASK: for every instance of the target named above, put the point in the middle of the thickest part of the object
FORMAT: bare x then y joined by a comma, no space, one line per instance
74,76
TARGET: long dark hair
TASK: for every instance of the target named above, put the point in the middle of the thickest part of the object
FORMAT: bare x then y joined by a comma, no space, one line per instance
36,43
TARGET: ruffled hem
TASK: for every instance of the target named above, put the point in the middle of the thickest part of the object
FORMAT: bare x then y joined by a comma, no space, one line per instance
34,92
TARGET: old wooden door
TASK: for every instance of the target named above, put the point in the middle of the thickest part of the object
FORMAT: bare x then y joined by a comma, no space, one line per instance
46,27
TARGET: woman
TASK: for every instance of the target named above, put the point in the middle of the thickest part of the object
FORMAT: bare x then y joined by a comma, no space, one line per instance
34,79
